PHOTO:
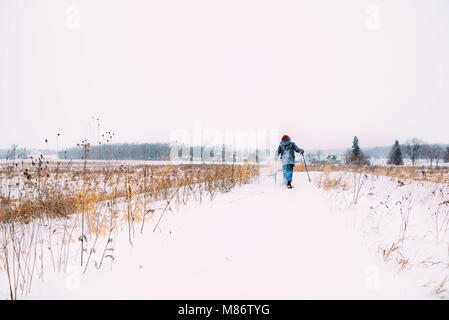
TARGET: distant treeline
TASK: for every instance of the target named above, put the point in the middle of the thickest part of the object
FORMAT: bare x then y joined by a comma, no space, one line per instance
22,153
413,149
156,152
120,151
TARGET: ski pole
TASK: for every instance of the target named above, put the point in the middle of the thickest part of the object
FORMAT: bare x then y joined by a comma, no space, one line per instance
307,170
275,171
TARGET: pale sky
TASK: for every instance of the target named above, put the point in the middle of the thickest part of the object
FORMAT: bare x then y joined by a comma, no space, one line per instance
320,71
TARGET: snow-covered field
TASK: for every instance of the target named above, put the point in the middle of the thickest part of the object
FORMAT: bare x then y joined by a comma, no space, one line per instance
404,222
263,241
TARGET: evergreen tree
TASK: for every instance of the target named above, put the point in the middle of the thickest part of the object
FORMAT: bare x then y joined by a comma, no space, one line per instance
446,155
355,156
395,156
355,148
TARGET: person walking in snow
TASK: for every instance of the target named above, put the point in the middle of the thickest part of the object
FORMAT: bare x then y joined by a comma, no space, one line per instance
286,151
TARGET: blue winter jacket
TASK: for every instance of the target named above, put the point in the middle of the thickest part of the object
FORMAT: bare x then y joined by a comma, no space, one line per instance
287,150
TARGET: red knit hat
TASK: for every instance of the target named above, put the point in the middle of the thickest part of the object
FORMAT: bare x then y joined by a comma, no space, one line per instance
285,137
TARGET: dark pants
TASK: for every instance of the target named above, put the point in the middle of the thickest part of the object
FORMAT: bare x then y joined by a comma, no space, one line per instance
288,172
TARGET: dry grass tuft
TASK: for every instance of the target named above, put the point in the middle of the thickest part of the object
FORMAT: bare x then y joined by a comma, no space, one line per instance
421,173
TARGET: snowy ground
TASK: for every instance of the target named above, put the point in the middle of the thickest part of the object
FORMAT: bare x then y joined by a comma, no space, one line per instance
404,222
260,241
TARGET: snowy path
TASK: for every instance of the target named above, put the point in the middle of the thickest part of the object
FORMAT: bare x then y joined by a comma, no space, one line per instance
261,241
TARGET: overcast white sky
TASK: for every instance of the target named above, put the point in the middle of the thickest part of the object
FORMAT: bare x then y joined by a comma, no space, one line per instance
320,71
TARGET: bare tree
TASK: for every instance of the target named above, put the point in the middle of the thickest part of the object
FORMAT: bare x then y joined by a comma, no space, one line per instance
439,152
413,149
432,152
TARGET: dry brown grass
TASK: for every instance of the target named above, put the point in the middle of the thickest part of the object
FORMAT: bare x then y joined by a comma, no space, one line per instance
37,199
421,173
337,177
56,190
393,252
441,288
329,182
